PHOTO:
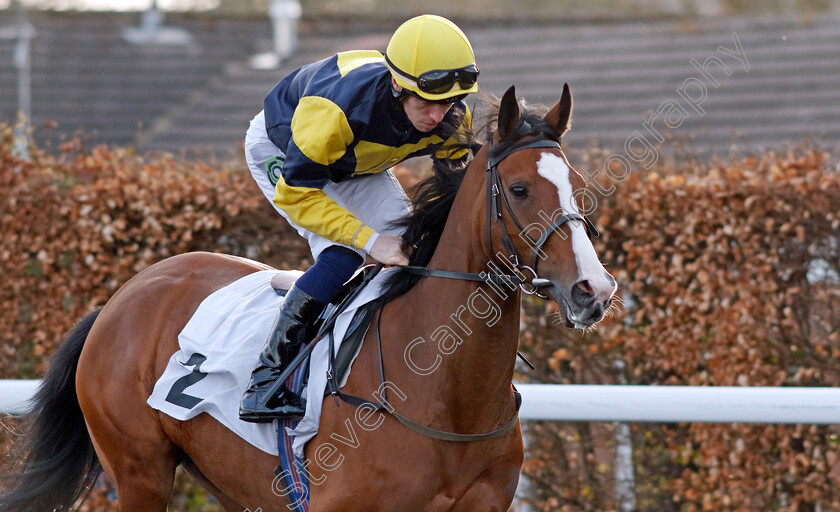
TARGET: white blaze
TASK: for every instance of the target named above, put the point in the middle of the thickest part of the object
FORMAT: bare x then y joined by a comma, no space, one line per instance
553,168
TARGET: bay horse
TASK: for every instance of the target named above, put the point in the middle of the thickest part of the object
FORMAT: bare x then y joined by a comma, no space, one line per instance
448,348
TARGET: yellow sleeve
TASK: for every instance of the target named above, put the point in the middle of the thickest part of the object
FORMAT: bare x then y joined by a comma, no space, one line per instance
312,209
320,130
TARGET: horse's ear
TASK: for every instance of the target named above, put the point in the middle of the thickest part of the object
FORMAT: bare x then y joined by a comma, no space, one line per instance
508,113
560,116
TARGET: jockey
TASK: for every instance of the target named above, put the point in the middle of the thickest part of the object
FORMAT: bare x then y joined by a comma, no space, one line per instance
320,151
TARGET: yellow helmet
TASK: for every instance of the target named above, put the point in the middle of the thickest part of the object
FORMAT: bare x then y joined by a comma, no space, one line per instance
431,57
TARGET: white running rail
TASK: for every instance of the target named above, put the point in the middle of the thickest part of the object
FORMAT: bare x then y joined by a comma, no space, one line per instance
656,404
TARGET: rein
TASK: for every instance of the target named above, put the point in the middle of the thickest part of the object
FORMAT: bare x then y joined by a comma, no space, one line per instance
495,198
412,425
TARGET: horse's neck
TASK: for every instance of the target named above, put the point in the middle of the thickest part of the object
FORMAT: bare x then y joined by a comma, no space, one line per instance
484,321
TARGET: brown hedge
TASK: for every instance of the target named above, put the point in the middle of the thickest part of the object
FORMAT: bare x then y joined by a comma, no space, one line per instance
719,273
713,263
77,225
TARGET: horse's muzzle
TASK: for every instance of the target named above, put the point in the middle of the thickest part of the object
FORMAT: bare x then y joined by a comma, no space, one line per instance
585,303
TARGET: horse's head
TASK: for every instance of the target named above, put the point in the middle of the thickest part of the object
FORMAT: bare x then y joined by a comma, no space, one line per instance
533,215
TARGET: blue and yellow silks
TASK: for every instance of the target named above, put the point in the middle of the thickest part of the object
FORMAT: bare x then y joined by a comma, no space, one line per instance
337,119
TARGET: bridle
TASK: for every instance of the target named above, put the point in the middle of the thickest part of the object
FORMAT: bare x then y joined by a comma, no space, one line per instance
496,197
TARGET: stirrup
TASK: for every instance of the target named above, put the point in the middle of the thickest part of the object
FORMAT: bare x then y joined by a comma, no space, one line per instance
252,411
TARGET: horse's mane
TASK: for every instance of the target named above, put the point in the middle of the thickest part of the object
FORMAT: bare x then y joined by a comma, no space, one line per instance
433,197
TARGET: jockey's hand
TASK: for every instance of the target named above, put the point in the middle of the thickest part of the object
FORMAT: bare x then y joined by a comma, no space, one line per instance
387,249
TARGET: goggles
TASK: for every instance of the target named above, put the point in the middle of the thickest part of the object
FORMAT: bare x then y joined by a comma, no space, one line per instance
439,81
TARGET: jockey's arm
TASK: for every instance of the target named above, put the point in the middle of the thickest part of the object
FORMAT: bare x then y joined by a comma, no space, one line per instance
312,209
321,134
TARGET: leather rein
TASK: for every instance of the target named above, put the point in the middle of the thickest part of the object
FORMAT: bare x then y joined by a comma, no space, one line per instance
496,197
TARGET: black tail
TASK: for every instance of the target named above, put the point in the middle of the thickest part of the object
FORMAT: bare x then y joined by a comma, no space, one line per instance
56,464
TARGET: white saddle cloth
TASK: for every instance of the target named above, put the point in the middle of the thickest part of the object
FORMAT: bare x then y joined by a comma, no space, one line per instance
228,330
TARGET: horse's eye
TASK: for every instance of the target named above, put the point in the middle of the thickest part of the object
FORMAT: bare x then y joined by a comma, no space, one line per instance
519,191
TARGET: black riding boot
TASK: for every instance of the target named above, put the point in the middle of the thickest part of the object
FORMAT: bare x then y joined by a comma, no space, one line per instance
293,326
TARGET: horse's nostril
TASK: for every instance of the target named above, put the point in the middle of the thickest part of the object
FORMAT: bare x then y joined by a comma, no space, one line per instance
582,294
596,312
